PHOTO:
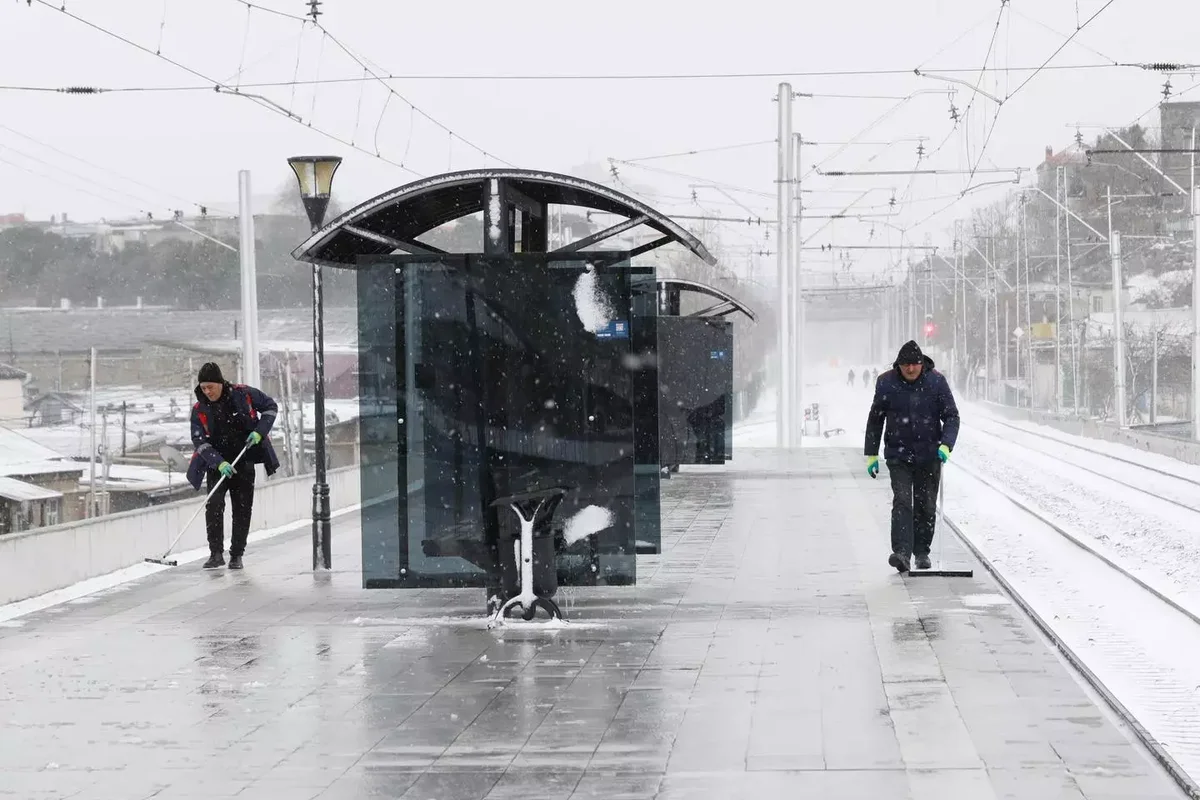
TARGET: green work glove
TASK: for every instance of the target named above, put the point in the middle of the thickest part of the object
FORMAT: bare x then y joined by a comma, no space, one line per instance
225,468
873,466
944,454
254,438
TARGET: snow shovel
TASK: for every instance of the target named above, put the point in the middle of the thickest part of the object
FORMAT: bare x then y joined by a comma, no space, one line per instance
939,570
171,562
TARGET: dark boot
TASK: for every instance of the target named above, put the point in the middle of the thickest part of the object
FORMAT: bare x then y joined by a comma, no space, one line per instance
214,561
235,562
923,562
899,561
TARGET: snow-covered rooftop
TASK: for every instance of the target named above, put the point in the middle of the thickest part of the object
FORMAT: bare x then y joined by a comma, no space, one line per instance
20,491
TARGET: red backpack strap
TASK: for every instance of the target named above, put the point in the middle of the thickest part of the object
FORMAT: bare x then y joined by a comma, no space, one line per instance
202,417
249,401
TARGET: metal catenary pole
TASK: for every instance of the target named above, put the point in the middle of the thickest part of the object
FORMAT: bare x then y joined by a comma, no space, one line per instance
1154,379
1071,308
1058,376
987,337
797,298
251,372
1196,316
1117,328
782,398
1028,308
92,427
1195,298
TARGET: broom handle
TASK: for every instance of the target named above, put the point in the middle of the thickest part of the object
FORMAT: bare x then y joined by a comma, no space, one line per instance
203,505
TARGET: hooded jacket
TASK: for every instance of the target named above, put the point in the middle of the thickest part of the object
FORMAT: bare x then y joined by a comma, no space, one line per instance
250,410
920,416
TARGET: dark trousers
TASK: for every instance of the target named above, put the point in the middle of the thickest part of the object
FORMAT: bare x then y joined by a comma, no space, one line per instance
914,505
240,488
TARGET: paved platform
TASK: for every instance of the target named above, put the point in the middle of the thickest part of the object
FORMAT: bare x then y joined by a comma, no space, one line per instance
769,653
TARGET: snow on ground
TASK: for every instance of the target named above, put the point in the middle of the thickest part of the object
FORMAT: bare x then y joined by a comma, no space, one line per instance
1146,653
1153,539
980,412
841,406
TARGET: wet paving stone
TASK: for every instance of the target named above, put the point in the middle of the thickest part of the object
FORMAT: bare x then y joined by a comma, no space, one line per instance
768,652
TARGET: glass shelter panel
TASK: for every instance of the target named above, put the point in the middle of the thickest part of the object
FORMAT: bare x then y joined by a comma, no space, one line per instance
696,390
510,374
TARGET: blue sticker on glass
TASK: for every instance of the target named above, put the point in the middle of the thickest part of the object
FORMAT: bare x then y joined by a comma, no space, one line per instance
617,329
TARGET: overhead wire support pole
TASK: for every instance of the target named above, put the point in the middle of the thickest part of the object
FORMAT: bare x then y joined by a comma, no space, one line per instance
797,299
1195,298
1196,315
1058,376
1114,247
782,376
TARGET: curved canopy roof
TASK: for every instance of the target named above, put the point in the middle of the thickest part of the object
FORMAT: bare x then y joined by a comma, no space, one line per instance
394,219
726,303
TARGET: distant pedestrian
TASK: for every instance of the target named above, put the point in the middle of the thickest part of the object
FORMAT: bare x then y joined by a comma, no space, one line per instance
226,418
866,378
915,402
850,379
875,374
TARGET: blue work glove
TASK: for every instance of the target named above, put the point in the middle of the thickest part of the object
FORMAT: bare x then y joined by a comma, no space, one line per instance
225,468
873,466
944,454
254,438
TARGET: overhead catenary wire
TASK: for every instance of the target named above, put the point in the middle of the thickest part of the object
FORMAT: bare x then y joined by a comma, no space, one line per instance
1024,83
156,190
483,77
222,87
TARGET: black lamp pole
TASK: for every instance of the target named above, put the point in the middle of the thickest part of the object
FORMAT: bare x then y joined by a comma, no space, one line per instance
316,177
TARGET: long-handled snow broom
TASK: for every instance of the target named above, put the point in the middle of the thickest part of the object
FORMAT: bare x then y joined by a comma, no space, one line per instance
939,571
171,562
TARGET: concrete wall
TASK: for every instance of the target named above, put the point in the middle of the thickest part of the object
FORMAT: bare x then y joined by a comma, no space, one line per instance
1181,449
42,560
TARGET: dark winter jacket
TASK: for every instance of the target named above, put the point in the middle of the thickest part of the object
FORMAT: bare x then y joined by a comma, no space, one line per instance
225,425
920,416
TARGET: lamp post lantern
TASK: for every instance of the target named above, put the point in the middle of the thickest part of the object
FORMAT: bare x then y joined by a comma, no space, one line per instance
315,176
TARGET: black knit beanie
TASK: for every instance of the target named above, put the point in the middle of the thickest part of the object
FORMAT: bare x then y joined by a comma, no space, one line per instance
211,373
910,353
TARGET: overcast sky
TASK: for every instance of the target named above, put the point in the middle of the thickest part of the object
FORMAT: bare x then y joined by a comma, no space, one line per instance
185,147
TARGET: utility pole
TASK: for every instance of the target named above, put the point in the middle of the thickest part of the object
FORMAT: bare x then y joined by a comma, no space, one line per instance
1007,336
796,325
1196,316
1114,246
1154,380
92,428
250,364
124,411
107,462
783,399
987,335
1028,307
957,354
1071,306
1058,376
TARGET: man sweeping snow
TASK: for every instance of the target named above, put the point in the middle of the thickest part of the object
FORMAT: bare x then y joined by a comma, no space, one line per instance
226,418
916,403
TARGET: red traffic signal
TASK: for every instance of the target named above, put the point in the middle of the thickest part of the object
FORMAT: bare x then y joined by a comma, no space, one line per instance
930,329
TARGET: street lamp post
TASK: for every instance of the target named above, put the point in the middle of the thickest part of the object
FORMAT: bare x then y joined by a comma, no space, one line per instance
315,176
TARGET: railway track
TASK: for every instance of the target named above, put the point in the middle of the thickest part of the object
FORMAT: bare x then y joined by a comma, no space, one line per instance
1157,483
1131,642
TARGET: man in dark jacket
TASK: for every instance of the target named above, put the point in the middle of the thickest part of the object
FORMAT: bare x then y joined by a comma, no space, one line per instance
225,419
922,421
